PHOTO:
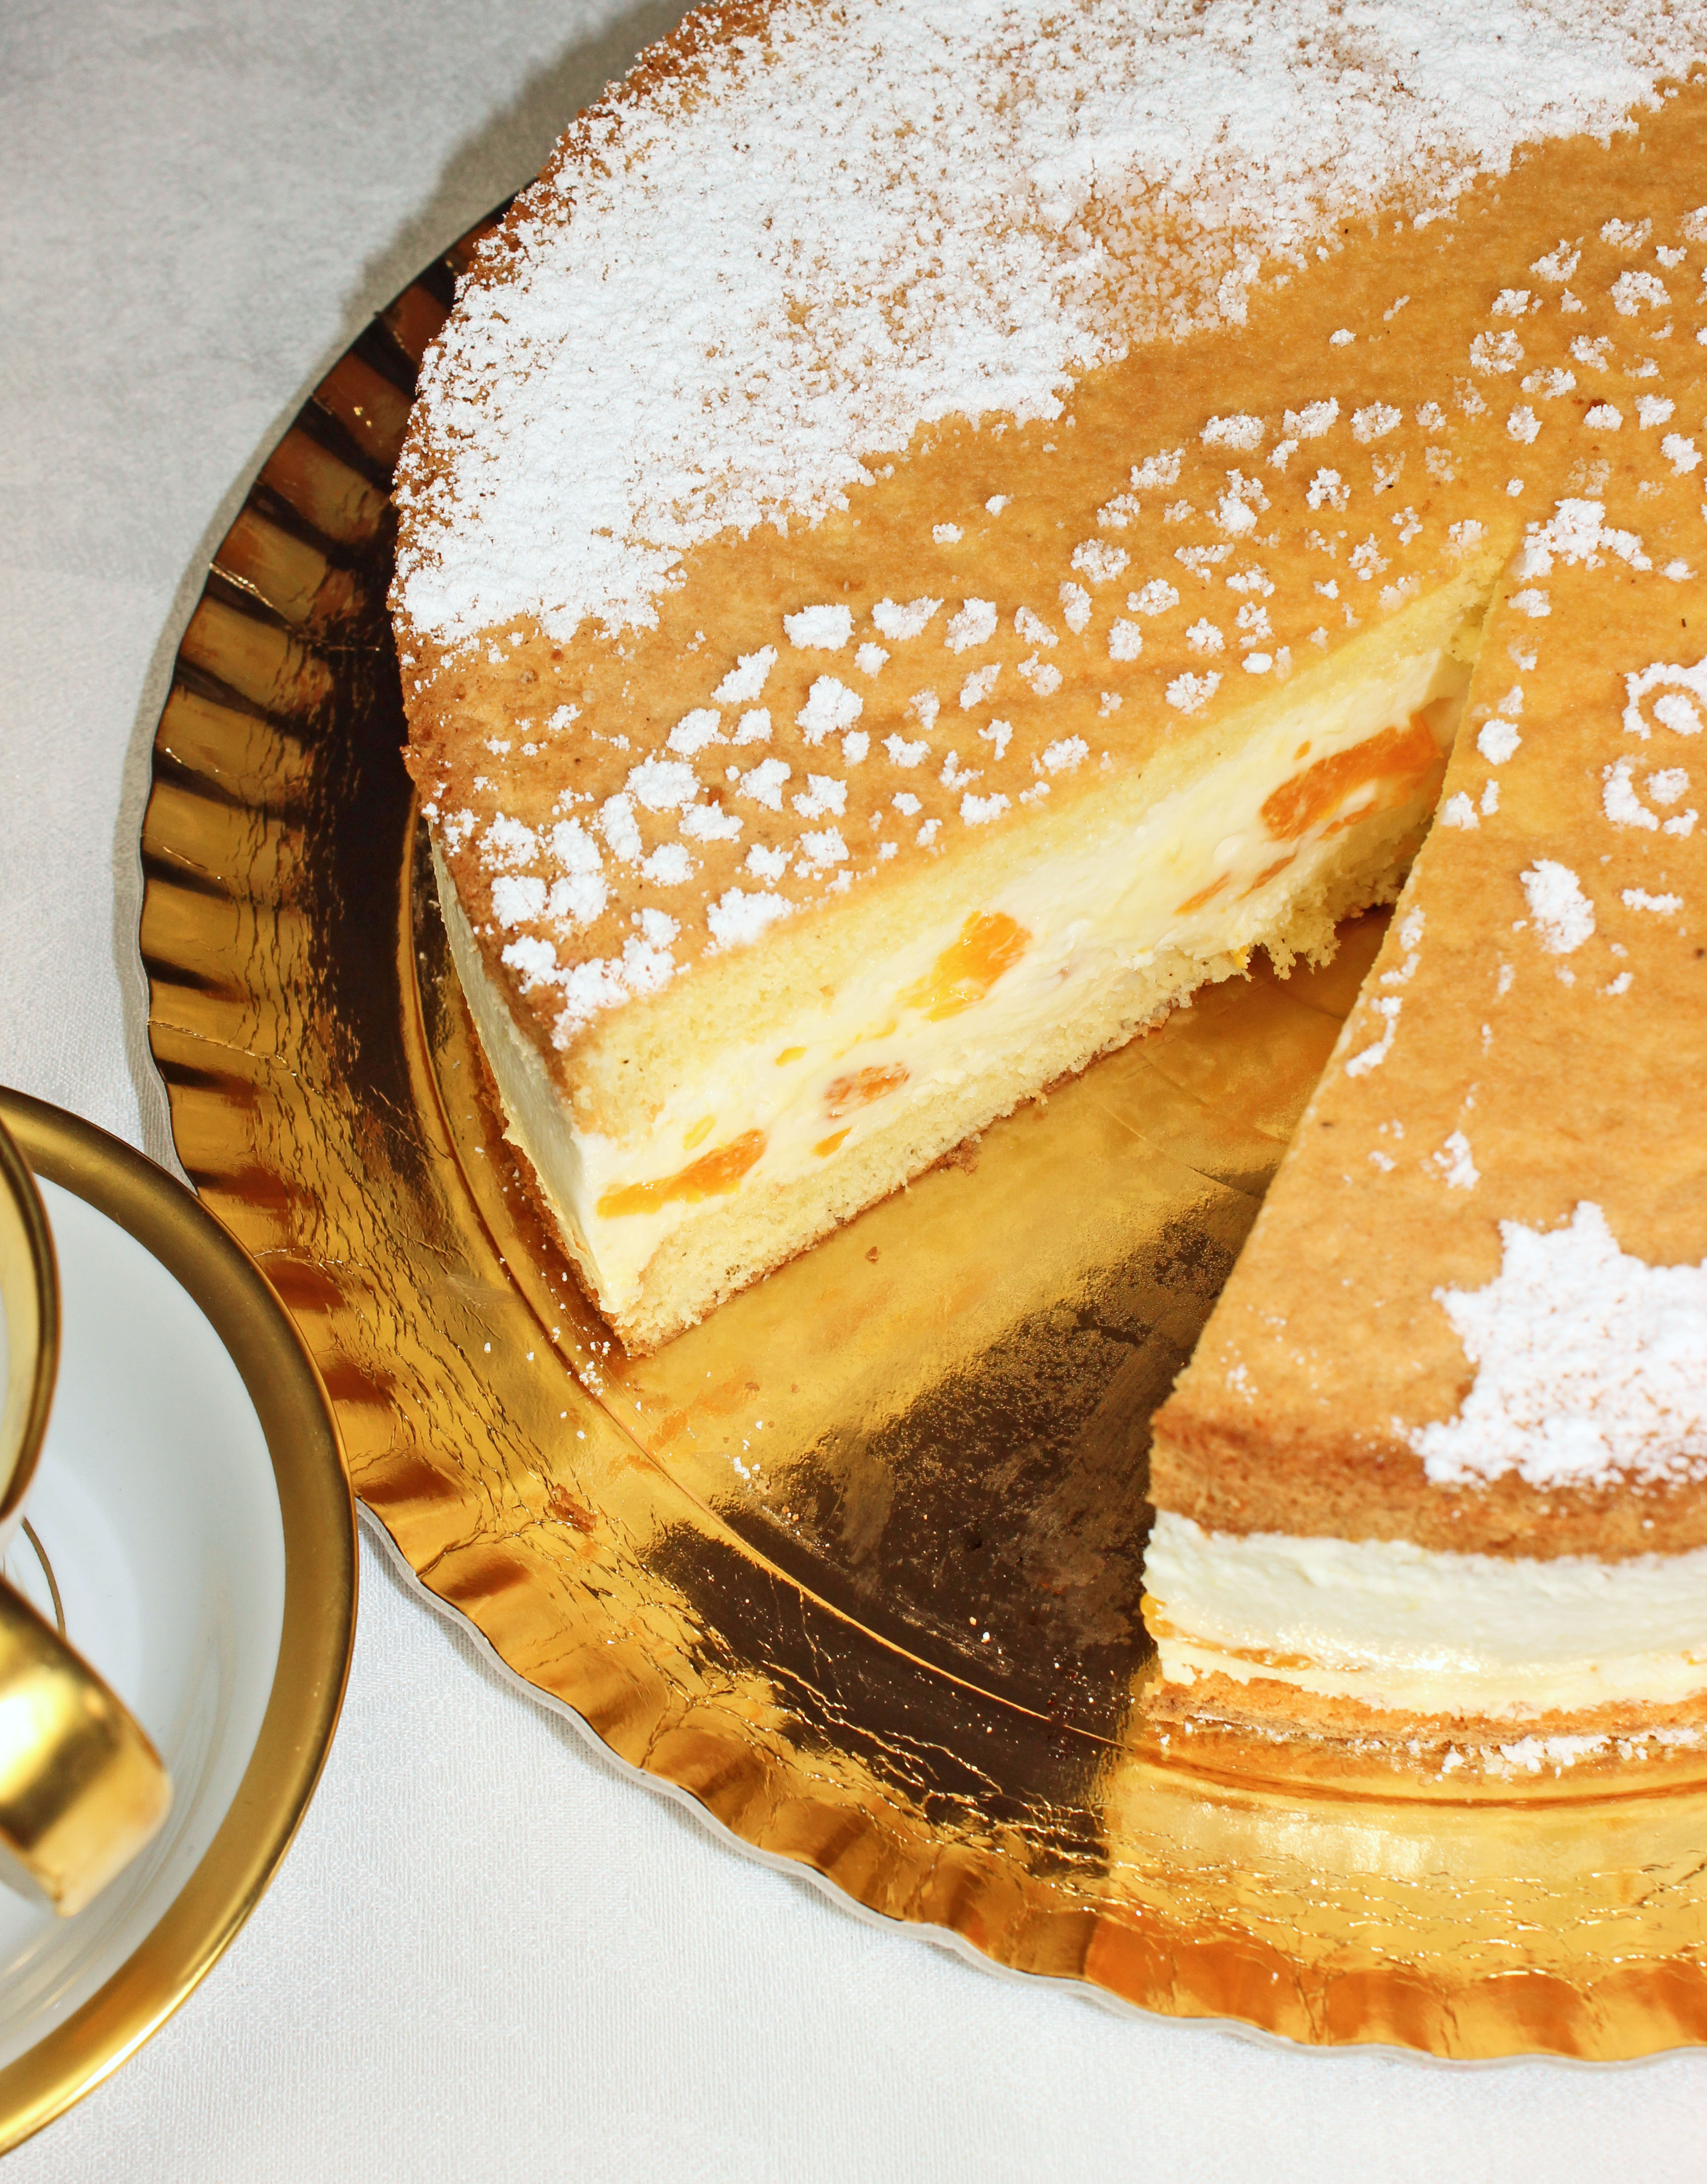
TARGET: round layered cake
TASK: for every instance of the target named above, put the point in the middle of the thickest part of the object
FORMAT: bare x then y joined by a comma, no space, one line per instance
931,533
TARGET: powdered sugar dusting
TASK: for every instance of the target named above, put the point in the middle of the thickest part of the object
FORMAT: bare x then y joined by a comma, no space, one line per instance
1591,1366
674,805
1564,916
740,286
1673,696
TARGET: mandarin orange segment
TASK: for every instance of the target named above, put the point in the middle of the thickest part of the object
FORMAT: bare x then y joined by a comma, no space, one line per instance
1395,763
989,943
1203,894
842,1094
709,1177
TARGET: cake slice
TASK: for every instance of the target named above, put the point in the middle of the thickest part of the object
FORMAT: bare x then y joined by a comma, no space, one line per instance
1434,1481
714,1127
908,566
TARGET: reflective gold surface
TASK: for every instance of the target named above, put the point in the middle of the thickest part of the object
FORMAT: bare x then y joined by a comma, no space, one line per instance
81,1788
30,1299
317,1520
856,1564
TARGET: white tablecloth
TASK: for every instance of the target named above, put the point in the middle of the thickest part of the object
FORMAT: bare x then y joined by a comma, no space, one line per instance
491,1953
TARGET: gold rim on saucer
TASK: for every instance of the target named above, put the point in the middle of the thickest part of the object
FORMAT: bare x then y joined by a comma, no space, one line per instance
317,1519
30,1290
855,1565
83,1789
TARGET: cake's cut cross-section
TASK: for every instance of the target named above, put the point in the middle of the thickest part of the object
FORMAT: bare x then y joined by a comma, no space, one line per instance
780,1089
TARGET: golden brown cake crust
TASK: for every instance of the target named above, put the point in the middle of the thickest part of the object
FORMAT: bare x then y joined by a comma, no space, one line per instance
1110,589
516,730
1523,1076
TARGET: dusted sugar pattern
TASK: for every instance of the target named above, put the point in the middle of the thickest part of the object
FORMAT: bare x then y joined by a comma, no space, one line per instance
860,322
743,281
1590,1365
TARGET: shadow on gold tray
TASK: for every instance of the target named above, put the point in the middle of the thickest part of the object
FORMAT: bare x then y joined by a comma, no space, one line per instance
856,1563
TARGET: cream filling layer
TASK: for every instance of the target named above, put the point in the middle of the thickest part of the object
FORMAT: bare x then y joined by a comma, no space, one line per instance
1200,872
1396,1625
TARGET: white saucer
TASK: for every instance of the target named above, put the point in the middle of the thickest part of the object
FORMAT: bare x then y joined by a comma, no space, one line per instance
170,1486
154,1504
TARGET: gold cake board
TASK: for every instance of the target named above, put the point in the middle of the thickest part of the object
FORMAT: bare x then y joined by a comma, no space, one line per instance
856,1564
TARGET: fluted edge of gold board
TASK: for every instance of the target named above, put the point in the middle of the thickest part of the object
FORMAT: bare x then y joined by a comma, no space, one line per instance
898,1642
317,1519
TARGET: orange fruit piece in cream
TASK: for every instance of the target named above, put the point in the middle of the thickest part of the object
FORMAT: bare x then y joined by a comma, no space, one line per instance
1394,764
987,944
711,1176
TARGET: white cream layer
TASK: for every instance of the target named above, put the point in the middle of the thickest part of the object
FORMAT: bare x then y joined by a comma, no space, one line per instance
1397,1625
1090,921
